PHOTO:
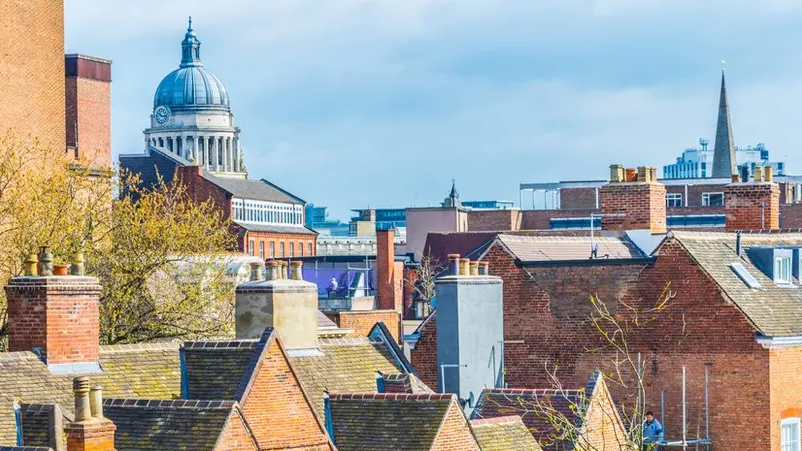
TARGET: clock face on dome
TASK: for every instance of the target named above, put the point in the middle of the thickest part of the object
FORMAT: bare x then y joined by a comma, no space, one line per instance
162,113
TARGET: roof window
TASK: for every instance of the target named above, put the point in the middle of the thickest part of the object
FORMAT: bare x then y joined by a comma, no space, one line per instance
744,275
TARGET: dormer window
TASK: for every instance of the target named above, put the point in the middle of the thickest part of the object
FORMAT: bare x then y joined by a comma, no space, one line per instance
782,269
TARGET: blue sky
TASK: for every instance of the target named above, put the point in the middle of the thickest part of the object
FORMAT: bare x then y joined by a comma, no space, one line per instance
380,103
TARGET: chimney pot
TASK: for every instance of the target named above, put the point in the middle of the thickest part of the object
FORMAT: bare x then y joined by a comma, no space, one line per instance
77,264
453,264
96,401
474,268
768,174
80,388
296,270
616,173
484,268
256,271
758,174
464,266
45,261
30,264
272,270
735,178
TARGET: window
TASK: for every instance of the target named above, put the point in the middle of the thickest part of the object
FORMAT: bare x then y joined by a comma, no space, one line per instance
782,270
292,249
300,249
310,249
712,199
281,246
789,434
673,200
250,247
272,249
261,249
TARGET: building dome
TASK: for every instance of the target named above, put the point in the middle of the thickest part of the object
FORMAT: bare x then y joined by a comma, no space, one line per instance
191,87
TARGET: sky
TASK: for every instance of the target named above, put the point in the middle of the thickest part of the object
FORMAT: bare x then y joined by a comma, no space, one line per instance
381,103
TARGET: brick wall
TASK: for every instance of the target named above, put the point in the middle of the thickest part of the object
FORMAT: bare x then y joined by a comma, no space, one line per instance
539,219
696,329
274,393
389,273
363,321
752,206
576,198
424,356
59,315
455,434
641,204
88,109
32,70
791,216
300,243
235,436
493,220
785,395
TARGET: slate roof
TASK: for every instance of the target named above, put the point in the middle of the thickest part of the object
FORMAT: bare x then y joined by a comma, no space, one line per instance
271,228
388,422
24,448
567,248
348,365
167,425
503,434
220,369
215,368
144,371
537,409
36,420
252,189
774,311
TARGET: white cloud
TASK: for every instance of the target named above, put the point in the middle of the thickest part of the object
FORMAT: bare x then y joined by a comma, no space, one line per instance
391,99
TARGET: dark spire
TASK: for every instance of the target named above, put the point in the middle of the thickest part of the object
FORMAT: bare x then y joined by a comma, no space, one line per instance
724,148
453,195
190,48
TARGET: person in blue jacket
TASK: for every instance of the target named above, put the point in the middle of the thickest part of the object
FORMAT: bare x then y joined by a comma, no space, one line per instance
652,432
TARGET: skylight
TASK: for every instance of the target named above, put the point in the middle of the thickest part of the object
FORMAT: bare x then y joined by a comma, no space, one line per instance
747,278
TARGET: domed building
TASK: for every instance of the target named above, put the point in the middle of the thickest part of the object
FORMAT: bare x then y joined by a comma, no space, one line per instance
192,137
192,118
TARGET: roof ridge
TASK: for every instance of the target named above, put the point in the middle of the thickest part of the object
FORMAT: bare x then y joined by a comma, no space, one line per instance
147,346
497,420
393,396
169,404
534,391
247,344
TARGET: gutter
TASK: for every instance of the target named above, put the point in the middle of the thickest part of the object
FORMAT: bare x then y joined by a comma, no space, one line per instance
778,342
585,262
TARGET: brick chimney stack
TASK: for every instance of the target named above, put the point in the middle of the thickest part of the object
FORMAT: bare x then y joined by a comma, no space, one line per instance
633,200
57,317
753,205
90,431
389,274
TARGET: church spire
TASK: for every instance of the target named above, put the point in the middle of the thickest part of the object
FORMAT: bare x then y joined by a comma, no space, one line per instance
724,149
190,48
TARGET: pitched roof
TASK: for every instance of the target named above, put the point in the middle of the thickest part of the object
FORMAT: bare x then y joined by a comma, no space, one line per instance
347,365
175,425
24,448
540,409
274,228
503,434
568,248
215,368
773,310
390,422
252,189
36,424
440,244
144,370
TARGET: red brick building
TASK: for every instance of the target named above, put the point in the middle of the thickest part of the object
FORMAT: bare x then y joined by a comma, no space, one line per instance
709,302
88,109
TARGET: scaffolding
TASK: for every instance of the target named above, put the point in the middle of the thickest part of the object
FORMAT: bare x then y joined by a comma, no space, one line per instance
685,442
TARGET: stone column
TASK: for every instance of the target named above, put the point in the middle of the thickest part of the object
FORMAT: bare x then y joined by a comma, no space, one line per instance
215,154
229,155
235,152
195,149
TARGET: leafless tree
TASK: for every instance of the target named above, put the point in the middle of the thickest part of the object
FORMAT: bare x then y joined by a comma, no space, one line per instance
423,285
